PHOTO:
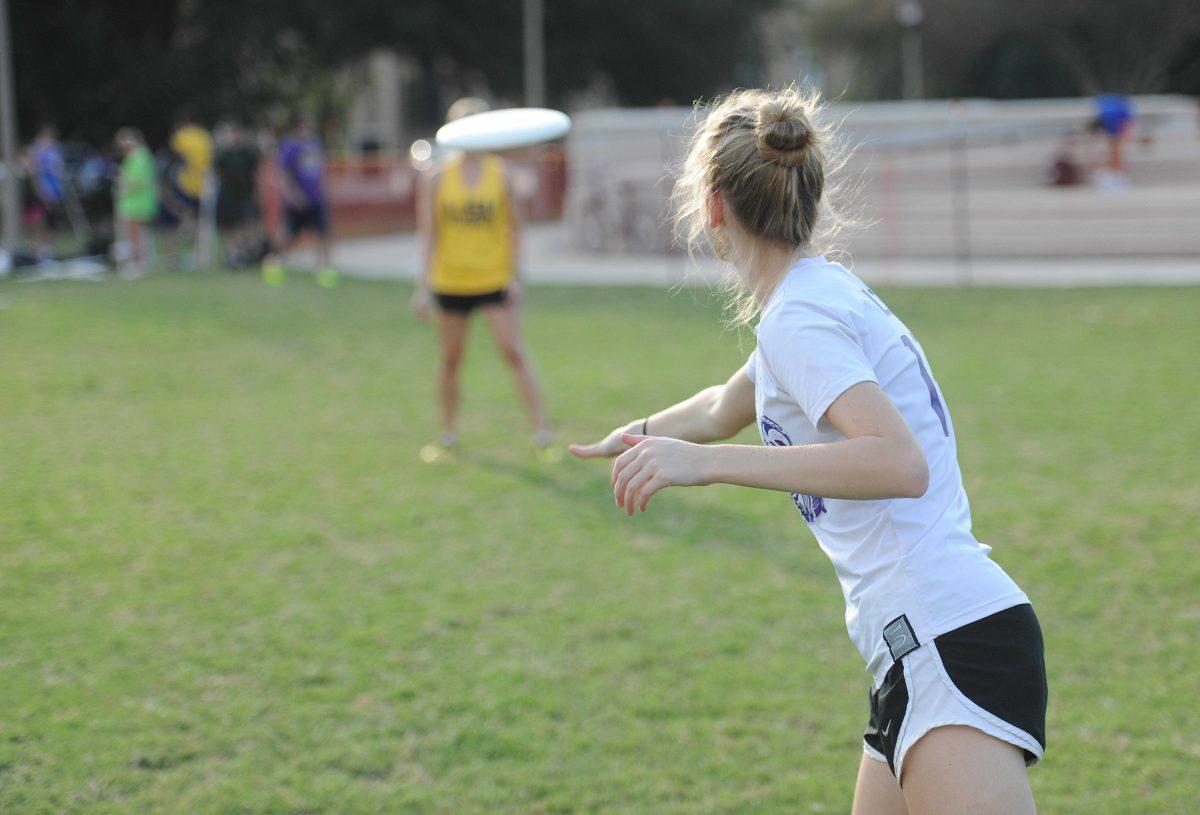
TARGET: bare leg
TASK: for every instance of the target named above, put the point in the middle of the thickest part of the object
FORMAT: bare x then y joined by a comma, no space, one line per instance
877,792
41,237
136,252
285,246
327,276
506,329
452,328
1114,154
323,254
957,770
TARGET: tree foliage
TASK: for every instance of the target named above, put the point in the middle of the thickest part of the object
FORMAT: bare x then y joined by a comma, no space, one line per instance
94,65
1022,47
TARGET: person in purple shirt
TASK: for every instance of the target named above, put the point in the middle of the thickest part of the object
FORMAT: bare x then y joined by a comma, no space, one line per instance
301,161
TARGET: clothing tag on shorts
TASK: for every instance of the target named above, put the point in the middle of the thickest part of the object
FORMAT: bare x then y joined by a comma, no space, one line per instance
899,636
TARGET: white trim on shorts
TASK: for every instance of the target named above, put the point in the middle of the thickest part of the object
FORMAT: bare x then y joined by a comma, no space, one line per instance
935,701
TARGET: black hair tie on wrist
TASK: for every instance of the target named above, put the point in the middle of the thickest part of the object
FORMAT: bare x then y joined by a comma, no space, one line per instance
645,426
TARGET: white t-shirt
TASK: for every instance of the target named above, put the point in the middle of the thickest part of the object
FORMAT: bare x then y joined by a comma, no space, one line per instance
913,559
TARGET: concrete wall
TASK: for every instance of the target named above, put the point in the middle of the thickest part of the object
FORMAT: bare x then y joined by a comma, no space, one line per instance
931,179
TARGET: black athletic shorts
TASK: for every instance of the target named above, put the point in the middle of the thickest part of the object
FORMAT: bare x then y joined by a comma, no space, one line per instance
989,674
466,303
313,215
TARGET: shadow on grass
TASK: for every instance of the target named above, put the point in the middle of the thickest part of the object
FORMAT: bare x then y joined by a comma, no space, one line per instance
694,519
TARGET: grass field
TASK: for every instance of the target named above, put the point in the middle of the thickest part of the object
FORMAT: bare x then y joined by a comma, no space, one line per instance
227,585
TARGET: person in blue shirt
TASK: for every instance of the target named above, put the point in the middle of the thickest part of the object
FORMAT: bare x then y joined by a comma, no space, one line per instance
48,178
1115,119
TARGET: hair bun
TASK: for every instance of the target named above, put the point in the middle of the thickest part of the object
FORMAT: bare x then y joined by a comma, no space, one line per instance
783,134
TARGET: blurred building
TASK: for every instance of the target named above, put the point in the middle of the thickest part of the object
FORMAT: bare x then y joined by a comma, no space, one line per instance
381,113
786,58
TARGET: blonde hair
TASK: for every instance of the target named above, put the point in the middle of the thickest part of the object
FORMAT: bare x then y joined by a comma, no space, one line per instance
466,106
769,156
129,136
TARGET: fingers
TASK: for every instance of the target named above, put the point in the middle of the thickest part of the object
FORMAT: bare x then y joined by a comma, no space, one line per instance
626,457
610,445
635,486
635,478
594,450
621,463
656,484
630,471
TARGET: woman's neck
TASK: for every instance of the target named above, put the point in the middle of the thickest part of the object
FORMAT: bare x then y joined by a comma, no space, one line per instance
769,263
472,168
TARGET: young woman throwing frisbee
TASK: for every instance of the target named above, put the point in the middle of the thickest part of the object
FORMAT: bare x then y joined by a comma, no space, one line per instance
468,217
855,429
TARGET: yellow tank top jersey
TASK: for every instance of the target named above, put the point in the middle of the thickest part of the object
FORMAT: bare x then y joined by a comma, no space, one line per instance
474,244
196,147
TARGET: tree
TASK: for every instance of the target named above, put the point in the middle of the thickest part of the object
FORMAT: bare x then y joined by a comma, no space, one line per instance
1020,47
94,65
1113,45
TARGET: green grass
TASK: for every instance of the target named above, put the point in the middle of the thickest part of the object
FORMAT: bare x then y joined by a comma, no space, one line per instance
227,585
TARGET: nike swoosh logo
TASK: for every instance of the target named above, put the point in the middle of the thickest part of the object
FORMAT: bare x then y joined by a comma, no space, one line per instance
885,730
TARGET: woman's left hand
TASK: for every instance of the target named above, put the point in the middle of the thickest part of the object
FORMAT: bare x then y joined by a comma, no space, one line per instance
652,463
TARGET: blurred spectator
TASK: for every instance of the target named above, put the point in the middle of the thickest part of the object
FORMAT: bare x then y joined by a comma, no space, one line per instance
137,198
48,176
194,146
270,186
302,164
188,172
1066,171
1115,120
237,204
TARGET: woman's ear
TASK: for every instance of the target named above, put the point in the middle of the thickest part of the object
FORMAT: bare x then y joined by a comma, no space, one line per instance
716,209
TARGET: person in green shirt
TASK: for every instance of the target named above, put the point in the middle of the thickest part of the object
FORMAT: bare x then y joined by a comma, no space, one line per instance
137,196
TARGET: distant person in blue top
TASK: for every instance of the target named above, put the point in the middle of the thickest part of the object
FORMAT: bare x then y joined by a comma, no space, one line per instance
48,177
302,164
1115,119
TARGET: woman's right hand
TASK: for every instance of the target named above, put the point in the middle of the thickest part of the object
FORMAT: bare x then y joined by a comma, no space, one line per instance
609,446
420,303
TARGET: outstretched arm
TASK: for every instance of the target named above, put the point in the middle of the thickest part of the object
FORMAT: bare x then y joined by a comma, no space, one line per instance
713,414
879,458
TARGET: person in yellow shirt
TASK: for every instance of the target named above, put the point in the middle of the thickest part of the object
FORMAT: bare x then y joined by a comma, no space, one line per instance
187,179
192,147
467,216
195,146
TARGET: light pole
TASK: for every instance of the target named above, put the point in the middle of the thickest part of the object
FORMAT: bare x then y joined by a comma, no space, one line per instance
8,137
535,53
910,14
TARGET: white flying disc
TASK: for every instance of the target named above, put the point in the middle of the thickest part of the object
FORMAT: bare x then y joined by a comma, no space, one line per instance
504,129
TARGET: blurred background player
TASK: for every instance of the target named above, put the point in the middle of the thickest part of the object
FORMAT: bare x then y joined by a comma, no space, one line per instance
187,178
468,218
136,198
1066,169
48,176
1114,119
237,163
301,161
